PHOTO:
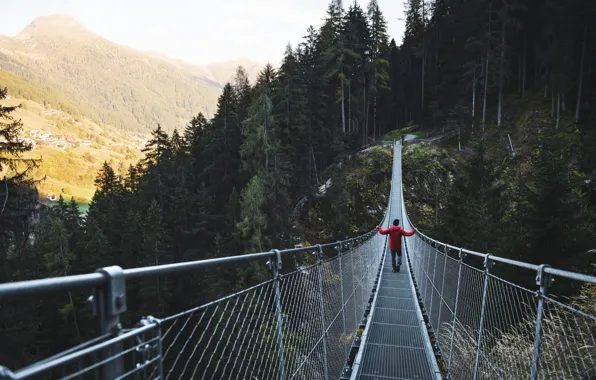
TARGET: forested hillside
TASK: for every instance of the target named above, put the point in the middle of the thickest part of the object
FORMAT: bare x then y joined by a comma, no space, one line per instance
222,186
514,81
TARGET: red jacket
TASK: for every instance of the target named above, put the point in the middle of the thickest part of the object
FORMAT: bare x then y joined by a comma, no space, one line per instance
395,234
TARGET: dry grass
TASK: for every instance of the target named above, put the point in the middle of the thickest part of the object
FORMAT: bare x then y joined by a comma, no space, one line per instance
567,350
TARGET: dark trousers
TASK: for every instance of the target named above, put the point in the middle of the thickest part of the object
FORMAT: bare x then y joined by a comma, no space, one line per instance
393,253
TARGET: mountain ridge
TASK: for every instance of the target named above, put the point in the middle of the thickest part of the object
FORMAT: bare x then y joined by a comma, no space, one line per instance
119,85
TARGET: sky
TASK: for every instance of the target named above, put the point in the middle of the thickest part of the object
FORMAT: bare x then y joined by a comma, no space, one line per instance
197,31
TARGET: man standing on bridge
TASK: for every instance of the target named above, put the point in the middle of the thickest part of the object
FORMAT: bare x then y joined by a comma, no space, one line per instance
395,233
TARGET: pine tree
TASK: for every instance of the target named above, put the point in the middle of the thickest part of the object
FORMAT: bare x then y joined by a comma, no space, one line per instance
291,127
221,148
18,196
154,294
157,148
11,146
257,130
380,64
265,80
356,35
253,220
106,212
58,256
316,99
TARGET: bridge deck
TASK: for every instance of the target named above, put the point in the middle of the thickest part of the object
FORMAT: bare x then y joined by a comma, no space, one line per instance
396,345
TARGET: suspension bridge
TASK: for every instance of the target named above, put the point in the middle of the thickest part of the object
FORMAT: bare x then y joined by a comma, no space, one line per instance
346,315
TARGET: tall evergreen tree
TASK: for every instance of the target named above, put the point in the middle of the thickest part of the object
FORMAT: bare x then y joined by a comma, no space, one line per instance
380,65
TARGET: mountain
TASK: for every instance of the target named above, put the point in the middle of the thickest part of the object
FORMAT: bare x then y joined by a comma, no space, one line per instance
220,72
115,85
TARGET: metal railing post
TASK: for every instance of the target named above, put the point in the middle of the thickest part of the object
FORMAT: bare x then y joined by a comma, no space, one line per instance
442,289
487,264
275,268
425,269
363,261
154,349
462,255
108,303
351,244
341,282
322,299
543,280
432,289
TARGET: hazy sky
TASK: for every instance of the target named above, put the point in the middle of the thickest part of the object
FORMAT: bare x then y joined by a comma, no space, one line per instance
198,31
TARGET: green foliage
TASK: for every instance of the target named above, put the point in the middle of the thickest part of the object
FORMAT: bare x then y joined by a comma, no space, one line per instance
393,135
253,220
355,201
40,93
257,131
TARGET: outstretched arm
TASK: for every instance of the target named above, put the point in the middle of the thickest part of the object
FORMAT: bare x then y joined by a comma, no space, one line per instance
382,231
408,233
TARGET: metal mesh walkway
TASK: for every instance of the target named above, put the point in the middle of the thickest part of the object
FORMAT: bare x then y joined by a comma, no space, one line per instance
396,344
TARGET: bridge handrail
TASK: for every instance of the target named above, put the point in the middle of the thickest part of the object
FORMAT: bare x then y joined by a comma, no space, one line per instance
521,264
96,279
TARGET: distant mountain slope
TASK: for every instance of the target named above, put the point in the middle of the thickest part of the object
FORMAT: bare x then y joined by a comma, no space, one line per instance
218,72
72,147
117,85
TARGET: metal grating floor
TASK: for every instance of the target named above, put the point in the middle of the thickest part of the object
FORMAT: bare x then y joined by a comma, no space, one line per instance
395,347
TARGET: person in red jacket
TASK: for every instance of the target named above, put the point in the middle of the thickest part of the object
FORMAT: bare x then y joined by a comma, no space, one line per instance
395,233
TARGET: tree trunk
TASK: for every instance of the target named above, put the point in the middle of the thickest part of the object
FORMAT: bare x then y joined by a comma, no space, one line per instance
501,64
486,68
552,99
265,145
525,63
437,62
511,145
519,74
367,119
485,94
563,103
558,109
350,106
581,74
74,314
375,101
375,115
474,94
423,59
459,139
343,111
365,122
314,162
422,85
